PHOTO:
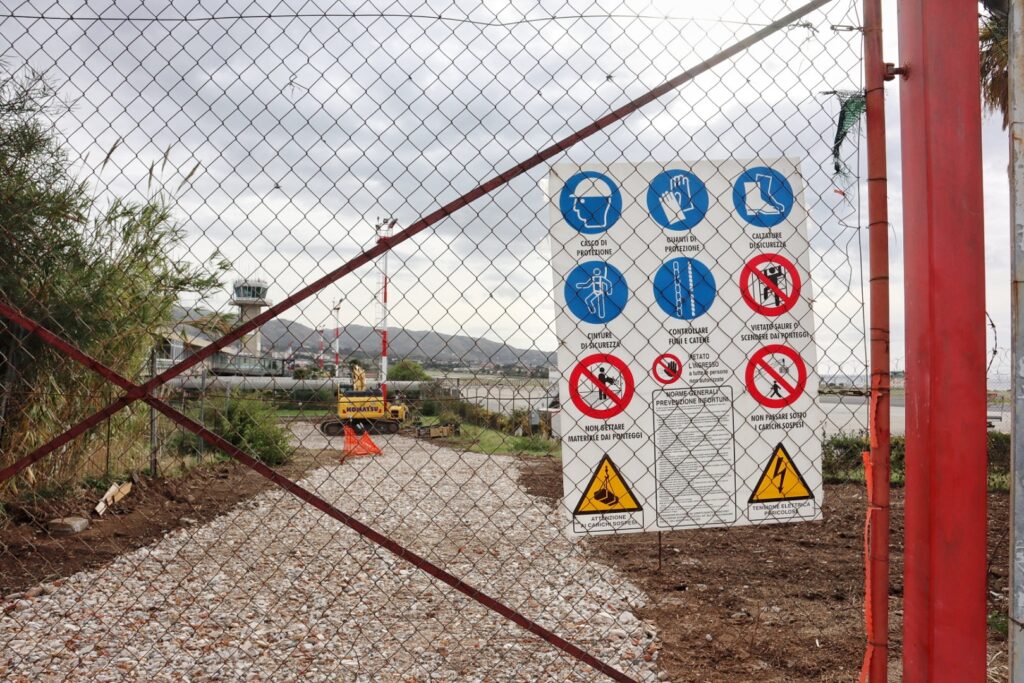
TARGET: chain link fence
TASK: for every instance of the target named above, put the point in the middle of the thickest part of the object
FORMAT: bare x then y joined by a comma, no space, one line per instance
218,222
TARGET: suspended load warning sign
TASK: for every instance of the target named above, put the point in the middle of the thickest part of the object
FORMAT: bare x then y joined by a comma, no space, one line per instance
609,496
686,353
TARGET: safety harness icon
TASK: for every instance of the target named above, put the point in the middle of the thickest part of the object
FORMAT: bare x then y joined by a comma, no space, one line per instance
596,292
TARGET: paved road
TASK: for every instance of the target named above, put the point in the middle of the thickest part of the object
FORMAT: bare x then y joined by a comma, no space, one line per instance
850,414
504,398
839,413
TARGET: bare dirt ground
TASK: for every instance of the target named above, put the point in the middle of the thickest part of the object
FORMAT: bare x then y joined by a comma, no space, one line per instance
29,554
774,603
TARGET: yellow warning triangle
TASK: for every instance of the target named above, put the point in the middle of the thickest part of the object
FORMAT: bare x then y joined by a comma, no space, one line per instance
606,492
781,480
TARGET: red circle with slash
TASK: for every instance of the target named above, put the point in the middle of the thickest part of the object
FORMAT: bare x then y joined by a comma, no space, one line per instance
667,368
601,390
784,392
751,277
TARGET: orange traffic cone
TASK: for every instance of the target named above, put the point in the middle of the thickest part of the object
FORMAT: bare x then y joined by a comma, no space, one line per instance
356,445
367,446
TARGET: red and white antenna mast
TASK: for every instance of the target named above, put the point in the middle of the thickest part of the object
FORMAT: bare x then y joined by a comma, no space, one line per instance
320,356
384,229
337,336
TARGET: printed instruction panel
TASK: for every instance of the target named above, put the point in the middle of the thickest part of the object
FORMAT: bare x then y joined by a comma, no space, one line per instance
686,345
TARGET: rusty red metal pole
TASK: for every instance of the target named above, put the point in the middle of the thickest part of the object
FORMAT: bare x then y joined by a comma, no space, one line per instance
877,586
944,581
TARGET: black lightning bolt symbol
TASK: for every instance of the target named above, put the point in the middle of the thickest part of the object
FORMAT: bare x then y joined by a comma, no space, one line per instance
780,472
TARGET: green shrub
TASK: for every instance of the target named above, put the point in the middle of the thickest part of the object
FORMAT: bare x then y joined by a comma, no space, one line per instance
471,413
248,422
428,408
104,271
842,452
998,452
898,454
447,417
307,399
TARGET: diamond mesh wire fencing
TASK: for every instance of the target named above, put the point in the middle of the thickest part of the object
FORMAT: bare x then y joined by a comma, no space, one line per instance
246,244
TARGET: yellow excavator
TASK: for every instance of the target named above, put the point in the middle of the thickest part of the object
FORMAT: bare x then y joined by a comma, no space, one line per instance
364,410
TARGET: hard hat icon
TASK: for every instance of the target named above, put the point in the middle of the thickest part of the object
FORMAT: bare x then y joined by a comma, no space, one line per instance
592,187
590,202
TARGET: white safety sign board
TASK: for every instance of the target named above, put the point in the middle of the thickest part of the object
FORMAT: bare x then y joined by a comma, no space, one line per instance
686,345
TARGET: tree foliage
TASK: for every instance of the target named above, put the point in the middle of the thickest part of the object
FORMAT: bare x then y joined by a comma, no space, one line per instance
408,371
994,47
101,273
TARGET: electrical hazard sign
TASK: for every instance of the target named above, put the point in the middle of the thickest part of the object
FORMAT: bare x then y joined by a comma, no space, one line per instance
782,493
686,352
781,480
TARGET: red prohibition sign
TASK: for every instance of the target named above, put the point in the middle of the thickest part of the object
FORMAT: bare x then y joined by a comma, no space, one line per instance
783,391
667,368
599,370
752,277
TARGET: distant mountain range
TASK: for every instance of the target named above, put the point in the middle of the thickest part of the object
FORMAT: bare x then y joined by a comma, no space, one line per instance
363,341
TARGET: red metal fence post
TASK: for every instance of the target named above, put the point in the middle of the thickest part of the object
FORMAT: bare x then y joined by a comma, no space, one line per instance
944,610
877,586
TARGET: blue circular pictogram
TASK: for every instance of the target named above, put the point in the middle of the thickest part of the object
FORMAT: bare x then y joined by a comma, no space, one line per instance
762,196
590,202
684,288
596,292
677,200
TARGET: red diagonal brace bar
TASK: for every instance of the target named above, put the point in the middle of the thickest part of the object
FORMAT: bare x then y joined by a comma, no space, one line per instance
316,501
386,244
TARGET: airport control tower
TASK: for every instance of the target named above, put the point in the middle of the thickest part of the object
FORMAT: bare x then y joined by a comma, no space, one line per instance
250,295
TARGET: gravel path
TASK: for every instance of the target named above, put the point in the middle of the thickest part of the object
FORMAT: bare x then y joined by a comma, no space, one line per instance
274,590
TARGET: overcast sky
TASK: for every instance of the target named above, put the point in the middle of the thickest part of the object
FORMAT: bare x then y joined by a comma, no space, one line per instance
307,127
